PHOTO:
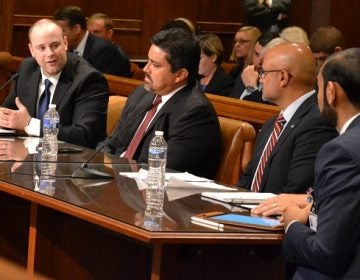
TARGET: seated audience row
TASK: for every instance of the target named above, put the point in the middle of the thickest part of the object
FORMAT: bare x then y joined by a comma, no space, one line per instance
101,54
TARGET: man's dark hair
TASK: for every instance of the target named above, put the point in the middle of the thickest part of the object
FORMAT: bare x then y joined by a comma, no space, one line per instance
344,68
182,50
267,37
72,15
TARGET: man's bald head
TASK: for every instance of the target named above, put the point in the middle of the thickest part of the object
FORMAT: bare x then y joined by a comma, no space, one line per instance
289,72
48,46
297,59
43,25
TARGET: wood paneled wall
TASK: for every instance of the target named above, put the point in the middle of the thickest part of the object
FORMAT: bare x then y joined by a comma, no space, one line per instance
136,21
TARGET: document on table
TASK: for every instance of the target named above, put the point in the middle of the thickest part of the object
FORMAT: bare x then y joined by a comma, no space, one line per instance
243,199
179,184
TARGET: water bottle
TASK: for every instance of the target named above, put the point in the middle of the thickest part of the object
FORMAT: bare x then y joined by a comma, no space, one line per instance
156,176
50,131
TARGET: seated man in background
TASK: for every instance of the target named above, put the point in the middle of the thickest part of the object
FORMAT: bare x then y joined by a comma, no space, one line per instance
101,54
286,147
79,91
182,112
248,87
325,41
329,248
101,26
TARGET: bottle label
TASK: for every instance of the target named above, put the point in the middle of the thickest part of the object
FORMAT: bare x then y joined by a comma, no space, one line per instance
51,123
157,153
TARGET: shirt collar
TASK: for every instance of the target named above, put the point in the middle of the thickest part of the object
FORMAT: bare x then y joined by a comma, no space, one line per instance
347,124
81,47
291,109
53,79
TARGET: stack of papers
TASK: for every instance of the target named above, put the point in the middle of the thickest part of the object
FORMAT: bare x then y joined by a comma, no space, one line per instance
243,199
179,185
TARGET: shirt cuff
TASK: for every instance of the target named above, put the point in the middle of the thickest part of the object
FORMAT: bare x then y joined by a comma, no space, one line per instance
33,128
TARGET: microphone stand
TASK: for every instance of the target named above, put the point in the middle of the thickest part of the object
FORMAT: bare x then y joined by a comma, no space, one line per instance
13,77
86,172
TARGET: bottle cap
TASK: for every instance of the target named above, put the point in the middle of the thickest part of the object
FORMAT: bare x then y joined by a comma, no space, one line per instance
52,106
159,133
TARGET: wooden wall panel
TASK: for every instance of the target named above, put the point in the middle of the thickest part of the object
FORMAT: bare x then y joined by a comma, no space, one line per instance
344,14
300,14
136,21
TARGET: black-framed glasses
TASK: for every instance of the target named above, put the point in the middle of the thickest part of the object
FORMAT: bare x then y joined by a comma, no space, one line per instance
263,73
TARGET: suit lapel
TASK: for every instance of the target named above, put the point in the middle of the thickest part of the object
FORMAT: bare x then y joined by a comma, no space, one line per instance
88,47
30,99
169,106
294,121
64,82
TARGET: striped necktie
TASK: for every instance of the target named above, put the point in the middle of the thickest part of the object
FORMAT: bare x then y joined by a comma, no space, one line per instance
142,128
279,124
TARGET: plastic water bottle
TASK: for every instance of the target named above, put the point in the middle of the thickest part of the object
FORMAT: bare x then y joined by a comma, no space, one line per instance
50,131
156,176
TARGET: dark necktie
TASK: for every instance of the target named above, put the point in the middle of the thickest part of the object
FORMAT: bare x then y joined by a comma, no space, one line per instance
279,124
142,128
44,100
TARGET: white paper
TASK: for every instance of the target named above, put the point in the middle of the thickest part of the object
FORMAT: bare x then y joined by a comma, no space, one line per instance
178,185
239,197
185,176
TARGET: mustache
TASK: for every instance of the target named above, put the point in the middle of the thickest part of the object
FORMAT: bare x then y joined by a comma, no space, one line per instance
148,77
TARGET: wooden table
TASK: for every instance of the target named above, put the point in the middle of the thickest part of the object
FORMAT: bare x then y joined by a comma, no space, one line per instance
88,229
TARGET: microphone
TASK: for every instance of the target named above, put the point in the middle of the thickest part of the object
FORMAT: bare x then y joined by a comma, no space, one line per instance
86,172
13,77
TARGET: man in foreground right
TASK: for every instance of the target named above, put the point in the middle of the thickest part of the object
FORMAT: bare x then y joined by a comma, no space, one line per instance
330,247
286,147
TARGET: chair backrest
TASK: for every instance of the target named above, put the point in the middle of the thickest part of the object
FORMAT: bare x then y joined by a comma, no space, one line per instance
136,72
227,66
238,138
115,106
8,66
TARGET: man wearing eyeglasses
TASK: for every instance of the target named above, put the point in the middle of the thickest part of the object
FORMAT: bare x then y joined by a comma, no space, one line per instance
286,147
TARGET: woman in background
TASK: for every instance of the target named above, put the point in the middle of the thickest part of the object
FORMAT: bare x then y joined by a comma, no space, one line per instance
213,79
244,43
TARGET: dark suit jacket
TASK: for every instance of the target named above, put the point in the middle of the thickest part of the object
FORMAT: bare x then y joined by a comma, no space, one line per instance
290,167
106,57
220,83
334,249
236,71
81,98
263,16
191,129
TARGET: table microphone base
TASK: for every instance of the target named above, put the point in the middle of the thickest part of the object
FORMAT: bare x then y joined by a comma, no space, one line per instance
90,173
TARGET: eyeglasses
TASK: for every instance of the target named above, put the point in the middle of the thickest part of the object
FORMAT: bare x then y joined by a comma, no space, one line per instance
263,73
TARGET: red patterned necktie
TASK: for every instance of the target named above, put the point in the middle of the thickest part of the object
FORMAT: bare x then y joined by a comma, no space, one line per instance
142,128
279,124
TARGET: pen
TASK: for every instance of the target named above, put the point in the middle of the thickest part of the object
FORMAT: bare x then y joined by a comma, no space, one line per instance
207,223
